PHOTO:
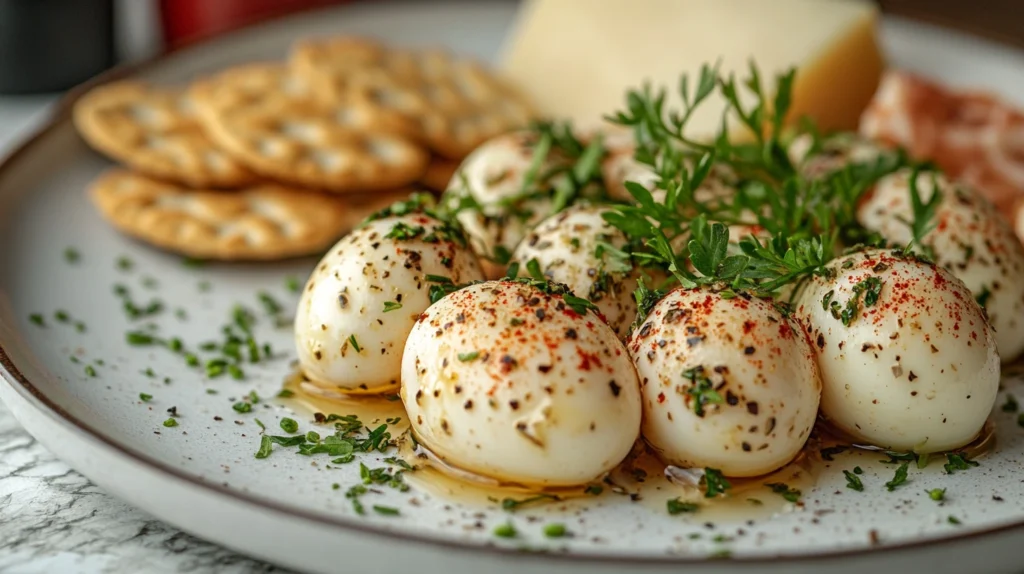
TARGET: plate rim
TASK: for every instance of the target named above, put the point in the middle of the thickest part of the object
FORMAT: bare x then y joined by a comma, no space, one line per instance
58,116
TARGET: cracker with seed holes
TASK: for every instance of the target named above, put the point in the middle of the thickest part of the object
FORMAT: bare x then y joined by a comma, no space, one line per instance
344,147
263,222
246,85
456,104
154,131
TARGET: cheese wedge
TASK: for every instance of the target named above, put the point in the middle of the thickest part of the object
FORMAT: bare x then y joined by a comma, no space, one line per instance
577,58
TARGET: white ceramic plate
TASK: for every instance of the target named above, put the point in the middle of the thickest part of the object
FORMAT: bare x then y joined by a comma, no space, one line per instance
202,476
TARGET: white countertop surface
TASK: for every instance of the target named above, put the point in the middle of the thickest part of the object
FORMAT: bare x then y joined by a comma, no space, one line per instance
52,519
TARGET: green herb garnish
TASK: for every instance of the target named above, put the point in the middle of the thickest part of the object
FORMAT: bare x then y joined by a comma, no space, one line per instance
677,506
899,478
555,530
715,484
853,481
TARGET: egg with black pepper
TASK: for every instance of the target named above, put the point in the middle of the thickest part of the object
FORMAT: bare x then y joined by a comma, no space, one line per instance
907,357
492,199
365,295
579,248
968,237
520,382
728,382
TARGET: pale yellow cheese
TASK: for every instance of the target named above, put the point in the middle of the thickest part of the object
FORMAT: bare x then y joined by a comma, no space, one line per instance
576,58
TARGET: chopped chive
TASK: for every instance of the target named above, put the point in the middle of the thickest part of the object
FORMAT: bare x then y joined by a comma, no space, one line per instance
953,520
265,447
555,530
139,338
385,510
391,306
355,344
211,391
145,397
467,357
260,424
676,506
505,530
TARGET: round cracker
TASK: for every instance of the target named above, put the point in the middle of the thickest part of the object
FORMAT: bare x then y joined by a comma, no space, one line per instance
455,104
264,222
154,130
246,85
343,147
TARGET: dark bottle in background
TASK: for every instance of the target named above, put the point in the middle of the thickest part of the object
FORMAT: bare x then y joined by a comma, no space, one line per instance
52,45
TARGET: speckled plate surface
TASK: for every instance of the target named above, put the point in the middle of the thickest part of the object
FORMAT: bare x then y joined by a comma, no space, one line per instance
202,476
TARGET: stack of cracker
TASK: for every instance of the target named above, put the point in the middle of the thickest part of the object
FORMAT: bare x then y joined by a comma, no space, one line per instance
279,159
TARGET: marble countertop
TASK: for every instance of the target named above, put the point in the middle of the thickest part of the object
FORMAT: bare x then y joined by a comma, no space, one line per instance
53,519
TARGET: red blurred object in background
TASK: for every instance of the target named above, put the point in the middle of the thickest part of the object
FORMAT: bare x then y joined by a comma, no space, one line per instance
186,21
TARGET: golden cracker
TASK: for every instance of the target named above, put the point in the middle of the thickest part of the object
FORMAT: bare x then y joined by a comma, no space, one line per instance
246,85
263,222
343,148
154,131
456,103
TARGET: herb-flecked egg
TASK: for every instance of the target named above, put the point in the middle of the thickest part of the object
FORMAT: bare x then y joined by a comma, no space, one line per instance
908,360
365,295
578,247
489,185
620,165
968,238
728,382
521,384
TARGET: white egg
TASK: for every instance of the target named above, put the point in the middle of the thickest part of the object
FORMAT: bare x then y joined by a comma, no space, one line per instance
507,381
620,166
492,177
566,247
362,300
727,383
834,153
969,238
915,366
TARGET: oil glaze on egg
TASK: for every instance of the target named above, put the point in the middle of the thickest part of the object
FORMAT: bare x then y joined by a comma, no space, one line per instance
728,382
507,381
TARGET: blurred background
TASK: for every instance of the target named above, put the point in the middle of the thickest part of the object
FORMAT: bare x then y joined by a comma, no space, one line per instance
52,45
